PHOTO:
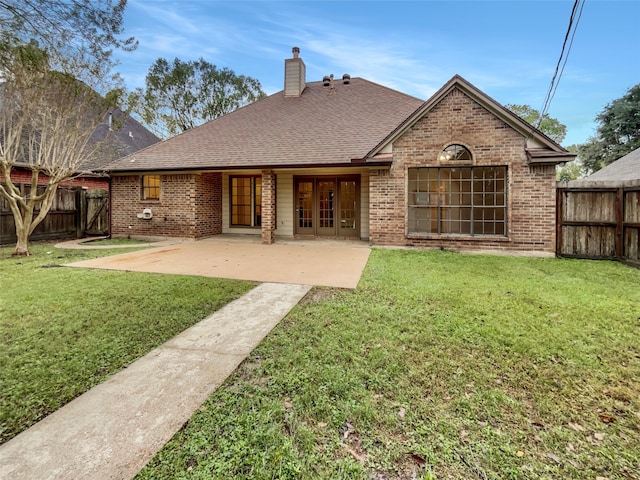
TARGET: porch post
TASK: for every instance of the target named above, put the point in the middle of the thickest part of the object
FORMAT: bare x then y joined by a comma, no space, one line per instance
268,207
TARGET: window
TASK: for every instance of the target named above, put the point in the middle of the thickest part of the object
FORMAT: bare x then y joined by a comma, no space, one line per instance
151,187
246,201
455,153
458,200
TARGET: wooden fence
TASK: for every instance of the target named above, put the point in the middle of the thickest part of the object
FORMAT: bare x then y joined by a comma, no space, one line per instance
75,213
599,222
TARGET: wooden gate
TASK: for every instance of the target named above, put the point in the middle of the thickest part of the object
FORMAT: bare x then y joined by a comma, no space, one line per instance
599,223
75,212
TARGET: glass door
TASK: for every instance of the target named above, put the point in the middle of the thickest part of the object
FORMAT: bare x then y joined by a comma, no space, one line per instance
326,207
348,212
304,207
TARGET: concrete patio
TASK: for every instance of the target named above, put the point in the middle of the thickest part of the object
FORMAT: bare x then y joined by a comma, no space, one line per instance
329,263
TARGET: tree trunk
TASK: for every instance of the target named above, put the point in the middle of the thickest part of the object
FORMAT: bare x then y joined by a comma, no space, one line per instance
22,244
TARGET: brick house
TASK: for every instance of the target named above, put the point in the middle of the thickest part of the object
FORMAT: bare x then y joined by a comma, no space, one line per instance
119,136
350,159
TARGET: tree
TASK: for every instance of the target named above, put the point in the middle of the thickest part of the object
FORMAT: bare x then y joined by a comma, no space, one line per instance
551,127
78,35
184,94
618,132
54,56
46,120
572,170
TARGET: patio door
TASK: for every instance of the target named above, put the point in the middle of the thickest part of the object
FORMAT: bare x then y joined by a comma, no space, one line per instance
304,219
327,206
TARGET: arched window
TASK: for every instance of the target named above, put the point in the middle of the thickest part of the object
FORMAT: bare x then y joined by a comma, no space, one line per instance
455,153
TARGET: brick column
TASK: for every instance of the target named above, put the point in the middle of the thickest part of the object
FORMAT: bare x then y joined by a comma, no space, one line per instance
268,207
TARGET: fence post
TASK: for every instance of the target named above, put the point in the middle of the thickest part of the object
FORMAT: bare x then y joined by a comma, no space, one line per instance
559,204
620,224
81,212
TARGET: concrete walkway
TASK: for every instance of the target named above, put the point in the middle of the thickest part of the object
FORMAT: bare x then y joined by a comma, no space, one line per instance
113,430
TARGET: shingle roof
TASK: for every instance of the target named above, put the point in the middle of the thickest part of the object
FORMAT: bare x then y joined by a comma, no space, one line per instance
623,169
316,128
124,137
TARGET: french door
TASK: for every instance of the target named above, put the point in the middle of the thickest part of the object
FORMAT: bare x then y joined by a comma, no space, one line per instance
327,206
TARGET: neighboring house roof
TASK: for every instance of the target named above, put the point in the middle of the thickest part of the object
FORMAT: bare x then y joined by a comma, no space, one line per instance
316,128
120,135
624,169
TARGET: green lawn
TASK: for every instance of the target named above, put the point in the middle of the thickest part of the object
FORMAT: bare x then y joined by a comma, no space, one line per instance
439,366
106,242
64,330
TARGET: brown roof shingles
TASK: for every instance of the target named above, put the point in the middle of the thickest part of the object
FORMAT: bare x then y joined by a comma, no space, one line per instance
624,169
316,128
123,137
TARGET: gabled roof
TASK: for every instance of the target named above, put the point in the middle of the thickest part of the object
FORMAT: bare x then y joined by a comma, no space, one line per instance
624,169
542,149
315,129
119,135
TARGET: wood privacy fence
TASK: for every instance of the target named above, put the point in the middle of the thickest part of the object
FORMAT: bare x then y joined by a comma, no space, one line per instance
599,222
75,212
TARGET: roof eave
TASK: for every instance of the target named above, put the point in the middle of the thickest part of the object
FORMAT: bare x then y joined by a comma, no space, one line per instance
546,157
353,163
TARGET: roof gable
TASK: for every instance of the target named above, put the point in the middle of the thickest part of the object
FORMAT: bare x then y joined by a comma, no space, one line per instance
118,135
541,149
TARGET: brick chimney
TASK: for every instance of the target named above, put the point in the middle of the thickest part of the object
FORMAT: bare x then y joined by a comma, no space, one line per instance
294,75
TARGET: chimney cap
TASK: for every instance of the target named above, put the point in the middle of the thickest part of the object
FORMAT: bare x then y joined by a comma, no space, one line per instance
295,51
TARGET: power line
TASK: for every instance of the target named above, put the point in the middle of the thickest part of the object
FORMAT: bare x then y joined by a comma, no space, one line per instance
576,13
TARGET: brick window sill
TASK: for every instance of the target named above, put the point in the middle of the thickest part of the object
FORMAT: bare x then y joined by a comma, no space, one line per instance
451,236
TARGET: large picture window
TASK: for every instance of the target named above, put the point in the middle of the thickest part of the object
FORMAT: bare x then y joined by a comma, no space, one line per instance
458,200
246,201
151,187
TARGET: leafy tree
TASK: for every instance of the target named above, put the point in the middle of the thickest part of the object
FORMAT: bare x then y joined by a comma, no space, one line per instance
618,132
572,170
78,35
551,127
183,94
46,119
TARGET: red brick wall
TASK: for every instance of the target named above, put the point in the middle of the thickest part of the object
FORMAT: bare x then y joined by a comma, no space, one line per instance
91,183
190,206
458,119
268,207
207,201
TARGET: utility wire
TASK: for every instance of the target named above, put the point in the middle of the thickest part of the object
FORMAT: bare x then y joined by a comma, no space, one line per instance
576,13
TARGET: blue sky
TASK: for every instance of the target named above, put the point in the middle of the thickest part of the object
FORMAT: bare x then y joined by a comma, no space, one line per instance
508,49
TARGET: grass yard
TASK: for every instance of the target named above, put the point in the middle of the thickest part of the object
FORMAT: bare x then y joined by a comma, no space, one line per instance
64,330
106,242
439,366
